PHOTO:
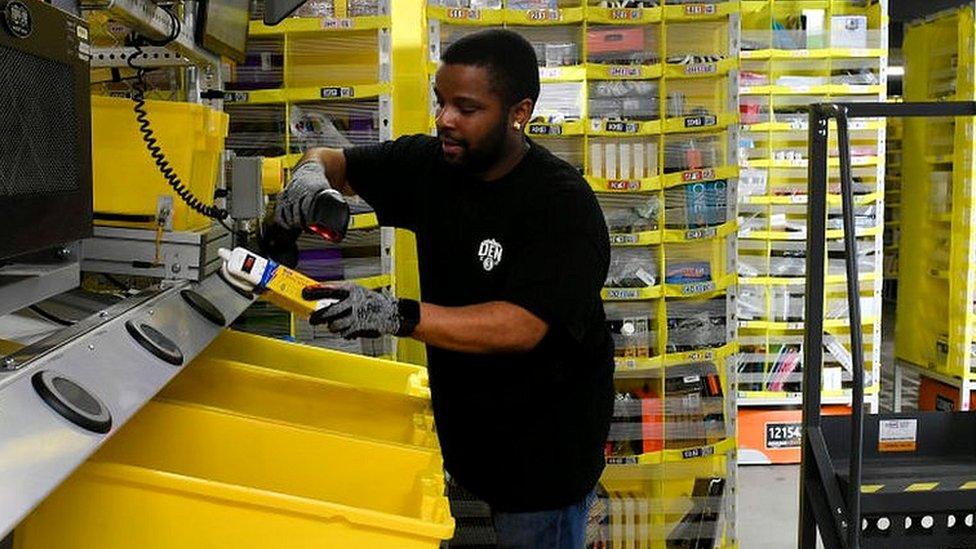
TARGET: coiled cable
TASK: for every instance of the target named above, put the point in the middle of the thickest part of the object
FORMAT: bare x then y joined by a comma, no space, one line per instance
142,117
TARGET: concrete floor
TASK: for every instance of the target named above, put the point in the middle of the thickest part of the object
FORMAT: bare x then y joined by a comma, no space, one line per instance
768,506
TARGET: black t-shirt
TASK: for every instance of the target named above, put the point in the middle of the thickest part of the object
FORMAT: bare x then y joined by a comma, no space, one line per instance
523,431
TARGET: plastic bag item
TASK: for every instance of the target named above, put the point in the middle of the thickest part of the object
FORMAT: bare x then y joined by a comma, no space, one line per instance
631,214
632,268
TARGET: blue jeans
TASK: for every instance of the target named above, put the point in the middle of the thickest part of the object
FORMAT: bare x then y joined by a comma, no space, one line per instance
556,529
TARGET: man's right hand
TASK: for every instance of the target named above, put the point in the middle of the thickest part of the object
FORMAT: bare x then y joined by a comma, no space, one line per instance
295,202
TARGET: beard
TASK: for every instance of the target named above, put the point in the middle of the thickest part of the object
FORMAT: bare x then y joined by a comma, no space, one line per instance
477,158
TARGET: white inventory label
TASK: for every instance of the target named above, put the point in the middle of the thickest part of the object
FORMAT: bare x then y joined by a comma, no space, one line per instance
897,435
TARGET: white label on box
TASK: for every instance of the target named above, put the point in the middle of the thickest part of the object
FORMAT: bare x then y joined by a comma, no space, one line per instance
897,435
646,277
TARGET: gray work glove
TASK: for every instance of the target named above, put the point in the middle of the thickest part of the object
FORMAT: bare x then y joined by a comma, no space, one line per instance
358,313
294,205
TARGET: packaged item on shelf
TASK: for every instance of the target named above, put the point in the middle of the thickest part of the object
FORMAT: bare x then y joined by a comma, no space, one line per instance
691,152
336,124
814,24
633,326
696,205
750,303
688,272
560,101
623,158
263,66
256,130
628,100
787,303
785,371
636,425
624,45
630,214
848,31
696,324
700,527
533,4
633,267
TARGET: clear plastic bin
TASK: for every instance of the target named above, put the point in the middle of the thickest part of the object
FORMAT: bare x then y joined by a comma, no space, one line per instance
624,100
696,324
256,130
696,205
633,267
633,326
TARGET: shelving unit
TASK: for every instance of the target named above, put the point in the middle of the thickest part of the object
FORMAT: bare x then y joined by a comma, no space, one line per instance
643,101
794,54
320,78
936,323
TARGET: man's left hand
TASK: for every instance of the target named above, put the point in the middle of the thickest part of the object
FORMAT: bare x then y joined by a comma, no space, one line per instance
358,313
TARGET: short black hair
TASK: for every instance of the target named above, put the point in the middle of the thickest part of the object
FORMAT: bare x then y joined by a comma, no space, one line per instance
513,67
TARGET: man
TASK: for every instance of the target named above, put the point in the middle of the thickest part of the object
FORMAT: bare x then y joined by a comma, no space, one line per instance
513,251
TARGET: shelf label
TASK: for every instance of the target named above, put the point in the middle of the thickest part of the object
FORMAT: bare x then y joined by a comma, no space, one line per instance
700,9
625,71
698,452
699,234
800,89
698,355
617,126
622,460
701,68
897,435
800,53
335,92
545,129
626,14
550,72
464,13
544,15
337,23
627,363
783,435
624,238
698,175
624,184
236,97
623,293
701,121
697,288
794,325
798,199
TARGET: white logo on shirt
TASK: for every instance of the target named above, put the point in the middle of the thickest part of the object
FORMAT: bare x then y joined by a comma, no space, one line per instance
490,253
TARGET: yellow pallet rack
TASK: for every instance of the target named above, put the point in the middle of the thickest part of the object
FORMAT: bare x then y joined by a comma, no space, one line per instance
784,68
892,231
936,324
650,495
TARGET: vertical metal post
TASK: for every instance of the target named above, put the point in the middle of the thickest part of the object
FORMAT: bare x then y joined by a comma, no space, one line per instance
857,334
814,305
899,387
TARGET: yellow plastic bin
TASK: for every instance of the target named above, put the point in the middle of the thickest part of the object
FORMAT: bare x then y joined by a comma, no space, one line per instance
181,475
127,183
353,370
313,401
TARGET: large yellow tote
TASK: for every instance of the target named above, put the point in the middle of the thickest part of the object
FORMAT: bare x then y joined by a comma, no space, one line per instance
246,464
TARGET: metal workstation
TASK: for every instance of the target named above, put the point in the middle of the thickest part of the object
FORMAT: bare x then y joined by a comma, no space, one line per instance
131,415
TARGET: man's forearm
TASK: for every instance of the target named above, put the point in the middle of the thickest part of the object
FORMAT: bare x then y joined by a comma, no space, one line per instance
334,161
495,327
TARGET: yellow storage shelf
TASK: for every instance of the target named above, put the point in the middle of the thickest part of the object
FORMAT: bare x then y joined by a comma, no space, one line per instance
832,234
704,233
623,128
700,290
543,17
826,89
570,73
222,479
695,176
676,455
701,70
829,324
698,12
602,185
597,71
632,365
631,294
467,16
820,53
623,16
646,238
564,129
322,93
801,281
853,125
832,162
704,123
832,199
315,25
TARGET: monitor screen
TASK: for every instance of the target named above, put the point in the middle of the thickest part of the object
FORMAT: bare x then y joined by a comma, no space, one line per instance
222,27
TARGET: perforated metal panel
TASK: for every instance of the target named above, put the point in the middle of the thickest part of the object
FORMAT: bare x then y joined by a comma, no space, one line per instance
38,126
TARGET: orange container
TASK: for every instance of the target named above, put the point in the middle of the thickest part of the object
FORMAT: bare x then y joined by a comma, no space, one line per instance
935,396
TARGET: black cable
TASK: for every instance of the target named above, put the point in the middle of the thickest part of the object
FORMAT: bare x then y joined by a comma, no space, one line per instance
142,117
55,319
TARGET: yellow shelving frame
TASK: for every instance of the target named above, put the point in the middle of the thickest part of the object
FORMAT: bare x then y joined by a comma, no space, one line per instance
720,240
936,321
